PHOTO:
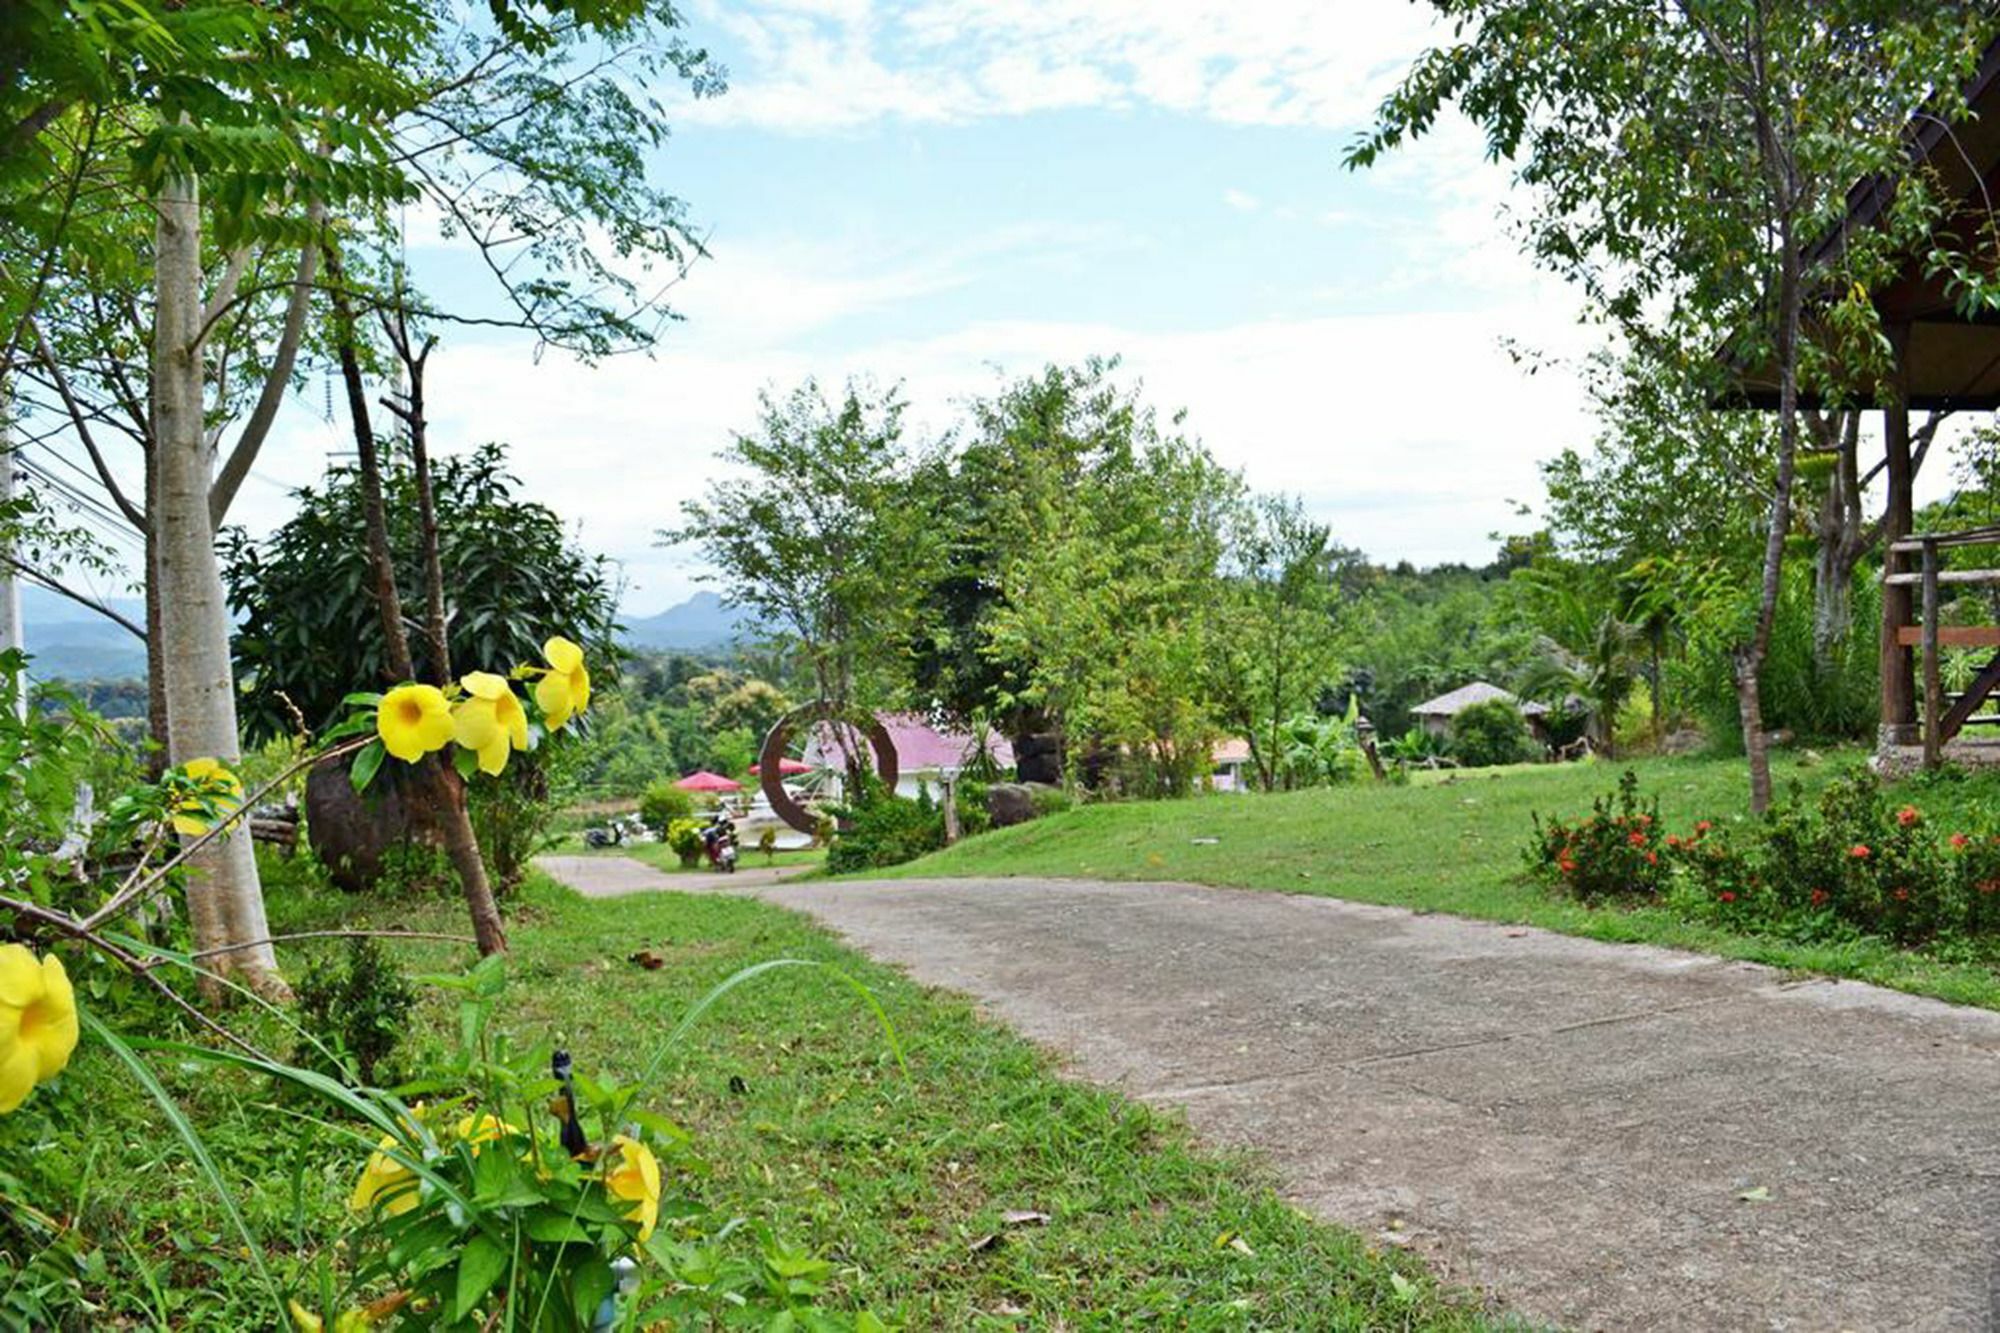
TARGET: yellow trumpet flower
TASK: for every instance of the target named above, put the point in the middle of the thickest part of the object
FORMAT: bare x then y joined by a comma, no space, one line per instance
413,721
634,1175
38,1026
564,689
490,720
224,791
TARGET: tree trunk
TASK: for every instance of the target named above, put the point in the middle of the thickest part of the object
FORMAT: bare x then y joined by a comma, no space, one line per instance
225,899
435,781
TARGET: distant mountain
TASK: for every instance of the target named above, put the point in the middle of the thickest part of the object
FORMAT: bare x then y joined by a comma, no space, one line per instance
702,621
71,642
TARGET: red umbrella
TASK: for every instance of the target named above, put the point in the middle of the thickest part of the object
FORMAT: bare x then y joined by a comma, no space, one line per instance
707,781
786,768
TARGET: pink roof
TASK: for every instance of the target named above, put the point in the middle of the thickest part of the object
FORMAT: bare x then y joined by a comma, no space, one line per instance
919,745
707,781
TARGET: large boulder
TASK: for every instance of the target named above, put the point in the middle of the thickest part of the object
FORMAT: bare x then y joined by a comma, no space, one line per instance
1014,802
1009,803
353,832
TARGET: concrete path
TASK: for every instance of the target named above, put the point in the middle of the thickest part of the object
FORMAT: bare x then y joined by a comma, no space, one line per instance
1599,1136
613,876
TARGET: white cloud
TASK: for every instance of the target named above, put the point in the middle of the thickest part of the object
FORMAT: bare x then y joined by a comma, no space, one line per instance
812,66
1240,200
1409,432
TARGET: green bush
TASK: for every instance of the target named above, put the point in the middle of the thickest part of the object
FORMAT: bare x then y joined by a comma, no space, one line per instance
1049,801
1614,852
356,1008
1855,861
662,804
684,840
973,816
1491,733
884,829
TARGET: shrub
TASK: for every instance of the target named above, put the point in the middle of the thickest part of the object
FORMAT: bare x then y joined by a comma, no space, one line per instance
514,815
662,804
973,816
1491,733
357,1007
684,840
884,829
1050,801
1614,852
1855,861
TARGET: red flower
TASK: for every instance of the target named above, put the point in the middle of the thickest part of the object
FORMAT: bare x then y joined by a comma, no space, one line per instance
1819,897
1645,820
1989,886
1900,895
1637,840
1673,840
1652,858
1727,896
1959,841
1703,827
1908,815
1859,851
1567,866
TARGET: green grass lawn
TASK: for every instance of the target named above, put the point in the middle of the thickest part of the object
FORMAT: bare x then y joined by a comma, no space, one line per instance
801,1115
1453,843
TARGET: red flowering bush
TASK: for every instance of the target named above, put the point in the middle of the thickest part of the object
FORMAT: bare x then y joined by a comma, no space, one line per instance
1614,852
1849,862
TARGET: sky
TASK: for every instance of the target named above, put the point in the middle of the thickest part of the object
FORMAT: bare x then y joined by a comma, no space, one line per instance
950,193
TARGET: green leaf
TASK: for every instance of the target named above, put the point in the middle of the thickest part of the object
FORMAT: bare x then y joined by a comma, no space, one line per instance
588,1288
479,1267
365,765
465,761
555,1228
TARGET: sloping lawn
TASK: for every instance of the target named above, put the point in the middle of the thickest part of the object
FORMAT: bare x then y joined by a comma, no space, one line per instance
801,1117
1454,844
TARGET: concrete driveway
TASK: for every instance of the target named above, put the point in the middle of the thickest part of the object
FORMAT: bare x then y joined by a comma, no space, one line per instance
1599,1136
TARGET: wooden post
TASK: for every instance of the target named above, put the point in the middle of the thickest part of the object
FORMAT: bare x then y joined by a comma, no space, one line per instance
1933,690
1899,703
948,781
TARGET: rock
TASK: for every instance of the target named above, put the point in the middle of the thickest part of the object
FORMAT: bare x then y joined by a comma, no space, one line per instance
352,832
1687,740
1010,803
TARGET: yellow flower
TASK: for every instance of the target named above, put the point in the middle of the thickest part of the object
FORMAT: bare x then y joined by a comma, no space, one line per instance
485,1129
37,1022
386,1181
351,1321
635,1175
223,789
385,1178
564,689
413,721
490,721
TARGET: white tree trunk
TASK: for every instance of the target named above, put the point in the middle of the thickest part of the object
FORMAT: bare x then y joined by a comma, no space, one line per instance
225,899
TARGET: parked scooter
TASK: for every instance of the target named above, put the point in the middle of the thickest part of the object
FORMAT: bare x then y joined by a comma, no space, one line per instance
718,839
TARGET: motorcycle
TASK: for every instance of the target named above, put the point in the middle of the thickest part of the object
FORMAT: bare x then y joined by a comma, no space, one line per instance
616,833
718,839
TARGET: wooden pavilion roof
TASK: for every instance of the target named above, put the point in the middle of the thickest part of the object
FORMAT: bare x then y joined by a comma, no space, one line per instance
1951,359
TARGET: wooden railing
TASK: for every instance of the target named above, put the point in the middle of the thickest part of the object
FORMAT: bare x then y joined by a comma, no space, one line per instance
1944,719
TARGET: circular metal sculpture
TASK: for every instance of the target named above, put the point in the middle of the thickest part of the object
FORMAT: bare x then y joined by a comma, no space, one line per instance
770,775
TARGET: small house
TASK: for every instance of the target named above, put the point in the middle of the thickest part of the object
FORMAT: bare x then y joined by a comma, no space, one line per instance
1435,715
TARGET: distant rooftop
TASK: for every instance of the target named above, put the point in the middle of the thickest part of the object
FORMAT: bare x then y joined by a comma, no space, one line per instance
920,747
1465,696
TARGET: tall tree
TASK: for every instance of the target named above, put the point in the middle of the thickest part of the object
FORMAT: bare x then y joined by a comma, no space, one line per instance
811,532
1682,159
1281,641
